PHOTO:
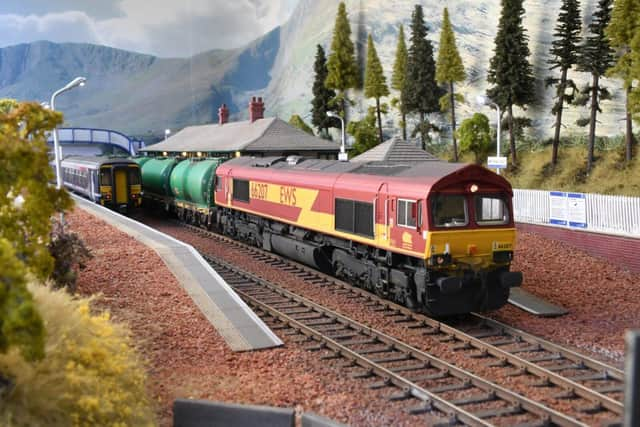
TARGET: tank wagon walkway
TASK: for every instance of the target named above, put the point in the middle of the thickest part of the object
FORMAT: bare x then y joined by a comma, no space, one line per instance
241,328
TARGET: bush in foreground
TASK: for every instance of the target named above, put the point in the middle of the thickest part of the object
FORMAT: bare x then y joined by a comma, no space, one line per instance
91,375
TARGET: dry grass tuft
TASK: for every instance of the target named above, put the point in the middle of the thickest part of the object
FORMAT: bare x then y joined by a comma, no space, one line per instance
90,375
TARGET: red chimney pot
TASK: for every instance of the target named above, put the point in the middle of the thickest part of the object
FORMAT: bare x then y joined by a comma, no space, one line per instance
223,114
256,109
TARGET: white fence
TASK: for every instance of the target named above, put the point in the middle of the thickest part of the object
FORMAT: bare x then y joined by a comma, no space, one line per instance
604,214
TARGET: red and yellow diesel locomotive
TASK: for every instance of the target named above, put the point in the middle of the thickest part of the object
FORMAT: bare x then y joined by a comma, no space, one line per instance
434,236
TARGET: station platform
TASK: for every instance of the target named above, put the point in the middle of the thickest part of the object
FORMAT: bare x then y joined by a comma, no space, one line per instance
240,327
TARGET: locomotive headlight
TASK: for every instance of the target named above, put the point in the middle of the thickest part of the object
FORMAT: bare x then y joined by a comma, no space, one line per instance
473,188
439,260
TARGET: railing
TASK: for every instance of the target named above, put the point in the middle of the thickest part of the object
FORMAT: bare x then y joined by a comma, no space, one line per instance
97,136
618,215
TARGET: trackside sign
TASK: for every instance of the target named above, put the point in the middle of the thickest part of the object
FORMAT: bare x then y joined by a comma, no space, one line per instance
568,209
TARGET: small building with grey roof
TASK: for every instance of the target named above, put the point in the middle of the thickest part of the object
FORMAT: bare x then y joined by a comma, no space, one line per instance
395,150
256,137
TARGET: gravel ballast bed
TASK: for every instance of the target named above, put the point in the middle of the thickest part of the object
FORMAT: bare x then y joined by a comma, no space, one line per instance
186,356
180,344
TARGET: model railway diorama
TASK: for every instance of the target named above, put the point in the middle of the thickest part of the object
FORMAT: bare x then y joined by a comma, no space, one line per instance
436,237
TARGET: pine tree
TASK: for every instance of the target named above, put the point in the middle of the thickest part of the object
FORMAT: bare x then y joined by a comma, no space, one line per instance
634,94
342,65
322,96
398,77
449,70
624,25
564,50
596,57
421,92
509,70
375,83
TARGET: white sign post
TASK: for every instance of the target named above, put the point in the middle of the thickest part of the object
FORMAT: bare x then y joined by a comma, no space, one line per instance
497,163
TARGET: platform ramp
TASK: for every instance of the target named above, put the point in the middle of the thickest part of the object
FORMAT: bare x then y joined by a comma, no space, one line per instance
534,305
240,327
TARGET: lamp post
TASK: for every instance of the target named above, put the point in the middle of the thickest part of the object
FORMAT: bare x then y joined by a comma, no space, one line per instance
167,132
342,155
483,100
78,81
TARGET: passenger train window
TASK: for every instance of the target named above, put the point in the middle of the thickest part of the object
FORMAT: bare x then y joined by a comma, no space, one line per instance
105,177
134,176
449,211
491,210
408,213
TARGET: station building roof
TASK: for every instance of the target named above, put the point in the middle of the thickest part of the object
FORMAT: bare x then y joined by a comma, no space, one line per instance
262,135
395,150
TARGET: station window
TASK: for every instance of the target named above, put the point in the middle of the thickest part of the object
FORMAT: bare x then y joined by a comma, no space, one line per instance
241,190
409,213
354,217
491,210
449,211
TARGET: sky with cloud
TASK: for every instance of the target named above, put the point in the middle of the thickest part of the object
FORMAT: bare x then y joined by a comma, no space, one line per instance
166,28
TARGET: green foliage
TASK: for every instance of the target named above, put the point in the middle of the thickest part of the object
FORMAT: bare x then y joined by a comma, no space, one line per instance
564,51
90,376
420,93
596,57
20,323
27,203
475,136
400,64
445,101
69,253
296,121
449,67
342,66
322,96
375,83
622,28
510,72
449,70
634,95
364,132
398,78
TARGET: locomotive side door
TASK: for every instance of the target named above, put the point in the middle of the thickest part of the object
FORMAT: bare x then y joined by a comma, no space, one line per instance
382,213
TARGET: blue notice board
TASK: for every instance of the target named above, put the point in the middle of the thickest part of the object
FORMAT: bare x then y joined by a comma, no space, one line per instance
558,207
577,210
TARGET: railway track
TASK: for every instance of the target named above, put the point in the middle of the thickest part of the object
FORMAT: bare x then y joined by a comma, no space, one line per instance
417,377
592,388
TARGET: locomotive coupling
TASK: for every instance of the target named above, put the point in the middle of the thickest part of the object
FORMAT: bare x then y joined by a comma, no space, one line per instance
511,279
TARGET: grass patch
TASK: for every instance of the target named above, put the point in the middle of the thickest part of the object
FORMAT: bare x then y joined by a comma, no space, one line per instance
91,375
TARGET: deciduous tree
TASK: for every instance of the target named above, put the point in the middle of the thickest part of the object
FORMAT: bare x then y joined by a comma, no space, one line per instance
398,78
296,121
510,72
475,136
564,51
375,83
449,70
421,92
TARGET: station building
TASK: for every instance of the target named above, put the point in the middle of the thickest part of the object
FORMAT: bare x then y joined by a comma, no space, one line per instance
258,137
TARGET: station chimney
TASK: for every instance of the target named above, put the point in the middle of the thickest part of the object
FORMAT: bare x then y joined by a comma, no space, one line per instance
223,114
256,109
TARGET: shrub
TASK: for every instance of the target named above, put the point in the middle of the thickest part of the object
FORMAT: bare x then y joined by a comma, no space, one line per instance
69,253
91,375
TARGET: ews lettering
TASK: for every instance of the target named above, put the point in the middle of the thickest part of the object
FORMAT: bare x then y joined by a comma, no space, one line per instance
288,196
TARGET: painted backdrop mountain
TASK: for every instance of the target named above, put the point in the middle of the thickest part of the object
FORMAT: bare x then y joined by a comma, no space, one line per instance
138,93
